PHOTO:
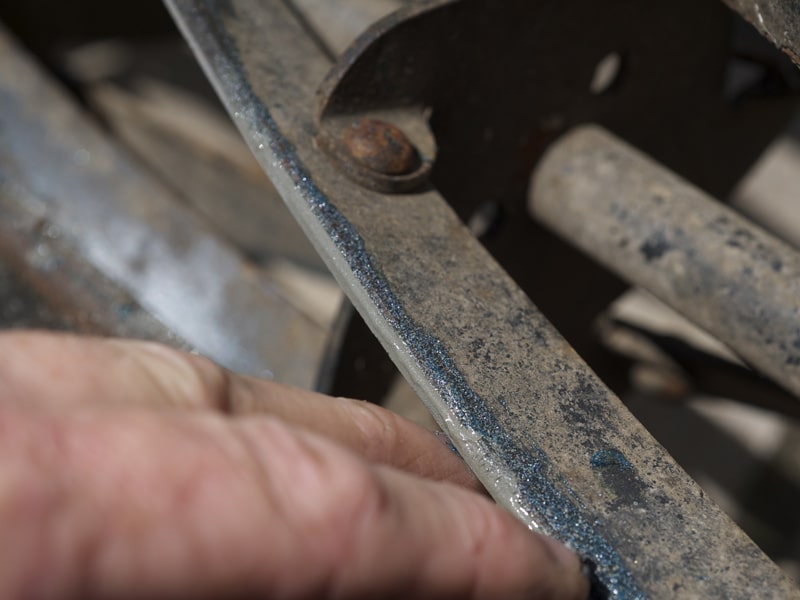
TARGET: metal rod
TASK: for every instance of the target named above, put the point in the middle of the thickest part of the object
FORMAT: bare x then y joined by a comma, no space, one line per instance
663,234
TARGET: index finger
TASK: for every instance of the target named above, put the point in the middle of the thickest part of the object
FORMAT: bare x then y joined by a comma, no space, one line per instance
195,506
66,372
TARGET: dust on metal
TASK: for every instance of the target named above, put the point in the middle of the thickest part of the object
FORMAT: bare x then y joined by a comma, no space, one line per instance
517,402
380,146
665,235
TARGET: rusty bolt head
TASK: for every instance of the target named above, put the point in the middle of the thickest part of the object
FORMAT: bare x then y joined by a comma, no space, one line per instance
381,147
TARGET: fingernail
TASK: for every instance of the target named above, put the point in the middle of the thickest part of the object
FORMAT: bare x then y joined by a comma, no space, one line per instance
562,554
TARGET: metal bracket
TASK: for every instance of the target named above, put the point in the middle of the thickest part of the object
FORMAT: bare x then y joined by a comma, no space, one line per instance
548,440
482,88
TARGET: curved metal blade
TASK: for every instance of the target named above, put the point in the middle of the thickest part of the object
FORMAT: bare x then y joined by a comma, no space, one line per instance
548,440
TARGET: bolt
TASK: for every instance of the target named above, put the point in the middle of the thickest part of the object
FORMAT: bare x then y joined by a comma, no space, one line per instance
381,147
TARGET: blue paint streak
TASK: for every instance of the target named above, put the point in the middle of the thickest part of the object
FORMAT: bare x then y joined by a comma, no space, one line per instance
610,458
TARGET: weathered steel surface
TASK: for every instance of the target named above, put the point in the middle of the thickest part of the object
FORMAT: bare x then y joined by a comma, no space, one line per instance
777,20
660,232
543,434
496,82
44,283
58,166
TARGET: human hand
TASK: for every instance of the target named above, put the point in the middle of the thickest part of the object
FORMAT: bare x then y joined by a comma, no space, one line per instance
129,470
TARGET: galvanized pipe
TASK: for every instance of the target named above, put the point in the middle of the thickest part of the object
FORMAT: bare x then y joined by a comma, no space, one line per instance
659,232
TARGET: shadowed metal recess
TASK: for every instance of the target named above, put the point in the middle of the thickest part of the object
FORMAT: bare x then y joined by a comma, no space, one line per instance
545,436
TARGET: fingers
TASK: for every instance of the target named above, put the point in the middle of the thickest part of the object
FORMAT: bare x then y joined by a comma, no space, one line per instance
435,540
93,372
57,371
367,429
142,505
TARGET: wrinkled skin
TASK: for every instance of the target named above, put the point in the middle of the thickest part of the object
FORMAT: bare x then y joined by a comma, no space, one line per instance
129,470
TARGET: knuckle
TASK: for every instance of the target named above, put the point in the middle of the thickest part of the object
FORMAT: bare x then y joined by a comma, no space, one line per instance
182,379
379,426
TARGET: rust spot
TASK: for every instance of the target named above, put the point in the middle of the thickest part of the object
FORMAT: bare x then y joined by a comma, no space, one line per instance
381,147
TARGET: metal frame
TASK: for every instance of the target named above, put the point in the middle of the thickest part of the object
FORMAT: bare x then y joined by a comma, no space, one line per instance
548,440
